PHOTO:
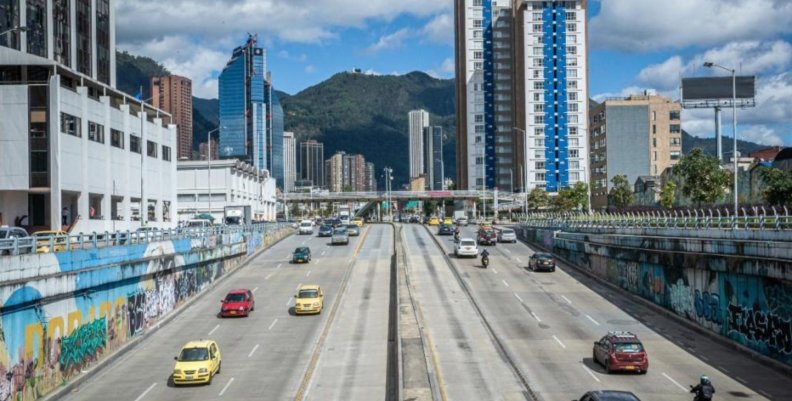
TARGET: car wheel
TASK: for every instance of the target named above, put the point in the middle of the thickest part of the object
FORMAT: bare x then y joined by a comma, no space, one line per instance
219,367
643,372
594,357
553,269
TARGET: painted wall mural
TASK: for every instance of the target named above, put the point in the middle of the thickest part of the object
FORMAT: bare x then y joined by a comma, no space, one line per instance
43,344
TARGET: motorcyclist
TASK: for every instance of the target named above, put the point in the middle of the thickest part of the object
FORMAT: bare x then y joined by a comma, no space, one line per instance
456,234
485,255
704,390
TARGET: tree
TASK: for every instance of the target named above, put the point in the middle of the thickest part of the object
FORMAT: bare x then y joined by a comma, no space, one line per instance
538,199
621,194
571,198
703,181
668,195
779,186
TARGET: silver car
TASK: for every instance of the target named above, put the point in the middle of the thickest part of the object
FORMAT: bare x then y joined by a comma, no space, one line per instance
340,236
353,230
507,235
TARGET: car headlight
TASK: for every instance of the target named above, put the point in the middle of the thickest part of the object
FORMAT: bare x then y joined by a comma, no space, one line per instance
202,370
316,304
177,372
241,308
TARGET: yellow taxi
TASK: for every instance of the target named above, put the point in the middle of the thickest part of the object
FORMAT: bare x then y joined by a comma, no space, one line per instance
433,221
197,362
59,241
309,300
357,221
448,221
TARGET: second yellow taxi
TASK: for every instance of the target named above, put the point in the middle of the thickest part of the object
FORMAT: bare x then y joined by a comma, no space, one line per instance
309,300
197,363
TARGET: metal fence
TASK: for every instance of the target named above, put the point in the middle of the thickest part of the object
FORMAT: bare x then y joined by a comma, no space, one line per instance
755,218
61,243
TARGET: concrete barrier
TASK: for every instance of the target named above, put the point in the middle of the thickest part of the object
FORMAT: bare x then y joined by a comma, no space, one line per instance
63,312
738,288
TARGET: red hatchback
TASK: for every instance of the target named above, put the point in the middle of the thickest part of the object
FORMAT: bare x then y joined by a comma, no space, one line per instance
621,351
237,303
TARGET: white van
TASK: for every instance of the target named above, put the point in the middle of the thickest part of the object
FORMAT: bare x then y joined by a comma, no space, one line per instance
306,227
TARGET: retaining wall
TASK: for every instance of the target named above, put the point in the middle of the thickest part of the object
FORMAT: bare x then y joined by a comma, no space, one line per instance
738,288
61,312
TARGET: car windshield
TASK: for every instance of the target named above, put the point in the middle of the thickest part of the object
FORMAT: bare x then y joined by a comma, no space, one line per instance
468,243
194,354
507,231
3,234
628,347
308,294
235,297
300,250
352,226
340,230
326,228
306,224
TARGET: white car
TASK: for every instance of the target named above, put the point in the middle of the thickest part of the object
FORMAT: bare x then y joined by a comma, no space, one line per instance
507,235
466,247
306,227
462,221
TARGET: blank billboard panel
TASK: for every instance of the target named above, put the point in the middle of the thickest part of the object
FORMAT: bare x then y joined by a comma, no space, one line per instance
717,88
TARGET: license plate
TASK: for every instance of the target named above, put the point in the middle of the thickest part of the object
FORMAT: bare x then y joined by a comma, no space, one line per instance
233,312
630,367
189,378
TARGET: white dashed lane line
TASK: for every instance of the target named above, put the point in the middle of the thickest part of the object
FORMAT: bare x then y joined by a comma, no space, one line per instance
559,342
591,373
592,320
308,274
140,397
255,289
225,387
567,300
675,382
505,283
272,324
213,330
518,297
253,350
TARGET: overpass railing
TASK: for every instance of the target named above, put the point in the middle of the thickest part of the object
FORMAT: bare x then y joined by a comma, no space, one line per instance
61,243
755,218
382,195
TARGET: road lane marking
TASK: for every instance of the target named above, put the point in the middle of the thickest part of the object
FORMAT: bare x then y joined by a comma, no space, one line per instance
518,297
704,358
592,320
279,265
140,397
226,387
764,393
255,289
536,317
273,323
268,276
298,286
494,270
675,382
254,350
559,342
591,373
324,252
213,330
289,301
723,369
308,274
505,283
518,260
740,379
567,300
507,251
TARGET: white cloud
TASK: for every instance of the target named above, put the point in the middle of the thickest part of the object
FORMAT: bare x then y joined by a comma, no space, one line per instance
310,69
445,70
390,41
648,25
439,30
760,134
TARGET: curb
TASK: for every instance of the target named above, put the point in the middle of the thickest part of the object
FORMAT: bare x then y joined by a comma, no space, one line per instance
67,388
776,365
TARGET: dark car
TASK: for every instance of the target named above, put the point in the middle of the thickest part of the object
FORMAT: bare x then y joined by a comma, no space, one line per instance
621,351
325,231
608,395
301,255
445,229
237,303
487,237
542,261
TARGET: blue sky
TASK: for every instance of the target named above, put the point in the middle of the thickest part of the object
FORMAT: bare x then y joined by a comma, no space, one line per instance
310,40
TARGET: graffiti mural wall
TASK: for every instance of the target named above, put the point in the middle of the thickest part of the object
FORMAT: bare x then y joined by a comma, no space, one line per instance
44,343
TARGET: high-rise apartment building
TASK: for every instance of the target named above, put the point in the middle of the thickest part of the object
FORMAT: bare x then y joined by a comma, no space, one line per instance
355,173
371,177
312,162
433,158
633,136
275,161
335,172
289,162
205,147
419,120
243,107
173,94
522,93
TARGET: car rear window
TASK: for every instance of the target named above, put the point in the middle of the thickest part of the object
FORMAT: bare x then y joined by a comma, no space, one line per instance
306,224
628,347
507,231
468,243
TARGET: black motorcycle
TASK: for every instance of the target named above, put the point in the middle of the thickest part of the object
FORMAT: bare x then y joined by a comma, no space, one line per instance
485,260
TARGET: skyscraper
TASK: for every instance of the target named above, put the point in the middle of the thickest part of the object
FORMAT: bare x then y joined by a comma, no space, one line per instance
243,111
419,119
274,134
371,177
289,162
522,93
312,163
173,94
433,158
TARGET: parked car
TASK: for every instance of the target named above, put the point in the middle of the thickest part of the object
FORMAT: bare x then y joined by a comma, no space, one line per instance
60,240
301,255
542,261
445,229
507,235
353,230
325,231
608,395
197,362
340,236
466,247
621,351
237,303
9,235
309,299
487,236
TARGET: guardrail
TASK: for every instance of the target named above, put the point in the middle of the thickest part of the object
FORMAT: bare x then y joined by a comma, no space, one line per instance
61,243
755,218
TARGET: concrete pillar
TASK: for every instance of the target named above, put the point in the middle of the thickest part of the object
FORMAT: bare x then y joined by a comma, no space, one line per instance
56,202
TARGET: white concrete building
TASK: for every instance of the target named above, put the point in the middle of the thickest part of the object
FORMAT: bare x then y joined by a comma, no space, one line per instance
289,162
233,183
419,119
77,153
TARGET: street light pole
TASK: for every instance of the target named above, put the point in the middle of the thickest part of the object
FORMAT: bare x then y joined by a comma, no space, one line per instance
733,71
524,175
209,167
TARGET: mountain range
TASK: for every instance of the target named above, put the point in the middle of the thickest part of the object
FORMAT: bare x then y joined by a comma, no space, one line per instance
357,113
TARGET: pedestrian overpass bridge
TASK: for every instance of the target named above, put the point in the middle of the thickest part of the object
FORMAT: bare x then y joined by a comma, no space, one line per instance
382,196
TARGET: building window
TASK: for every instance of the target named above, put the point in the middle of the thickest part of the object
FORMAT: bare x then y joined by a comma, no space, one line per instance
571,50
479,129
571,15
573,107
574,153
477,23
540,176
478,138
116,138
571,38
574,165
654,142
478,55
479,118
539,131
537,74
674,115
166,153
574,141
103,41
539,142
540,165
537,16
476,34
675,155
537,51
571,27
572,72
572,62
71,125
151,149
572,84
537,28
479,160
654,157
572,96
538,119
95,132
573,118
539,108
476,3
654,129
37,27
539,154
675,128
537,97
84,31
538,85
61,31
538,62
478,66
134,144
654,115
676,141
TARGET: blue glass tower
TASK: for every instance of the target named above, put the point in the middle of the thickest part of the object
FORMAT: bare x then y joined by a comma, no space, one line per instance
275,136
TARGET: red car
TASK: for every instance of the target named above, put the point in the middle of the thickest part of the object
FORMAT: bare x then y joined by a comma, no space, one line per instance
237,303
621,351
487,237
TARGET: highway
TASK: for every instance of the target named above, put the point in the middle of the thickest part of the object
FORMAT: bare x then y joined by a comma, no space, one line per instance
267,355
501,333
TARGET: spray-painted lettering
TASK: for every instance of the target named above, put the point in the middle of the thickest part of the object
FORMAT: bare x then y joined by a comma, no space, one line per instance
761,327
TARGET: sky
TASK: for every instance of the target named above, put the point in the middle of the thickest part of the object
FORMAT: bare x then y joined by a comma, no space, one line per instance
308,41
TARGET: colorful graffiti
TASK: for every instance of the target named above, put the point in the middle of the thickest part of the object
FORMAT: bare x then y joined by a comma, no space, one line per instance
83,346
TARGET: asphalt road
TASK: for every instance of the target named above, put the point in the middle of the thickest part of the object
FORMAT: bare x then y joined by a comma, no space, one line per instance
266,355
549,321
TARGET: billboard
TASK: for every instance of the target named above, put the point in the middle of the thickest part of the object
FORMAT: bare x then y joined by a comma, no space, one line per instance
711,88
